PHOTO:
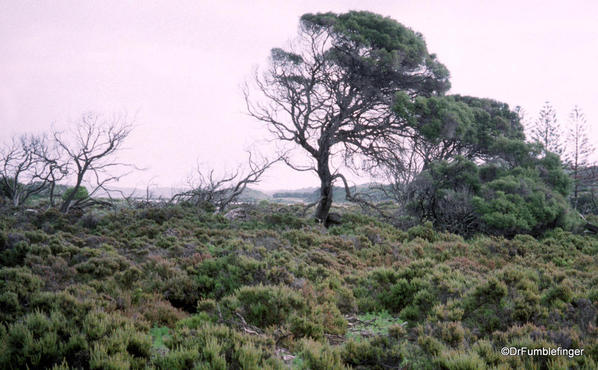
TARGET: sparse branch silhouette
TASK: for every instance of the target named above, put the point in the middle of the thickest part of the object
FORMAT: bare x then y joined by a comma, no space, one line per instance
208,189
90,148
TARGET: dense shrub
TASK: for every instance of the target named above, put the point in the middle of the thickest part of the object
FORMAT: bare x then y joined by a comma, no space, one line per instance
520,203
222,276
180,288
463,197
81,193
16,288
264,306
314,355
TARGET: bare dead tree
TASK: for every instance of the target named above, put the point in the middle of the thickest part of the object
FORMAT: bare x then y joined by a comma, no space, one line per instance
28,166
90,148
142,198
55,164
210,189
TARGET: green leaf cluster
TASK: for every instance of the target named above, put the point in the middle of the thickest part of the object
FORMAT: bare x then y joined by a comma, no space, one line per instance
81,193
527,199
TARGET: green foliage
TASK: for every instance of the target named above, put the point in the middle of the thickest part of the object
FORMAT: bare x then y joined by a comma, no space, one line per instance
386,38
222,276
16,287
215,346
378,323
521,201
176,287
264,306
159,336
208,294
484,305
374,353
285,220
81,193
314,355
407,290
425,231
3,240
453,126
14,251
460,360
462,197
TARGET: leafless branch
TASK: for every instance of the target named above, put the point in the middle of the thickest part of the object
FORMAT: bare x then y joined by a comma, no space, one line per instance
209,189
90,147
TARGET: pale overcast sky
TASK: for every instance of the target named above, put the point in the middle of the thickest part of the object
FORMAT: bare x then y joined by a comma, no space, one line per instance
178,66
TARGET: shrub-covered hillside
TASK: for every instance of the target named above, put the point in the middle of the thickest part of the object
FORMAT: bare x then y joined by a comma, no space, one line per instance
175,287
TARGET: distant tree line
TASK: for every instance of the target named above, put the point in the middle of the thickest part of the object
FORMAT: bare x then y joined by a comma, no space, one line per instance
572,142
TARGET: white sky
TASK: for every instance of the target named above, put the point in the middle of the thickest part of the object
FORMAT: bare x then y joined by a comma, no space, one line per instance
178,66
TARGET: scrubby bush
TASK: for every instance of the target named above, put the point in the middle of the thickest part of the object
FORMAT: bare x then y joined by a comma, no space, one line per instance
216,346
497,198
285,221
483,306
81,193
222,276
14,249
314,355
17,286
520,203
264,306
443,193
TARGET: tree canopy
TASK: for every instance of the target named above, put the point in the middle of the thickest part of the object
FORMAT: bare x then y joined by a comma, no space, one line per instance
331,92
442,127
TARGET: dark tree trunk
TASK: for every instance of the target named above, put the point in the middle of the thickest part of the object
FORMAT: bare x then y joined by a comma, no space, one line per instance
52,187
67,203
325,201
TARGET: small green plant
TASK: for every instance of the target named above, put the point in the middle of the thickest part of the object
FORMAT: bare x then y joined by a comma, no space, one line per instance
373,323
159,335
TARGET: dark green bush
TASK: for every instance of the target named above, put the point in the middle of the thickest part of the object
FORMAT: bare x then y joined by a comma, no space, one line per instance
315,355
525,196
222,276
14,252
216,347
81,193
3,240
483,307
16,288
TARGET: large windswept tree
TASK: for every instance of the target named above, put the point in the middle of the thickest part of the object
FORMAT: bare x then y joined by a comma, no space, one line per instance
331,91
